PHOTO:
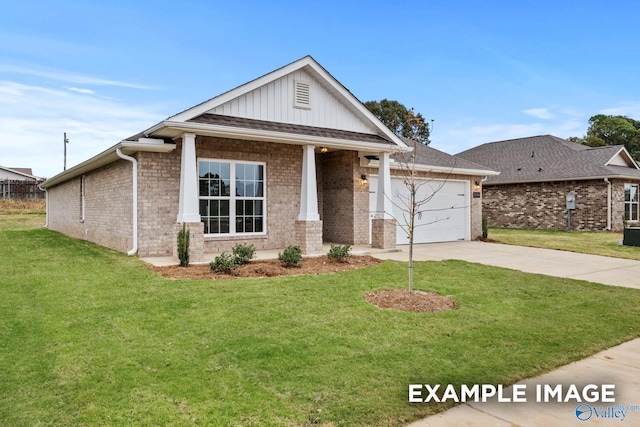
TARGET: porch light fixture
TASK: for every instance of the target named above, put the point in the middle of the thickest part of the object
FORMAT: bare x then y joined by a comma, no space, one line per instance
363,180
323,149
476,186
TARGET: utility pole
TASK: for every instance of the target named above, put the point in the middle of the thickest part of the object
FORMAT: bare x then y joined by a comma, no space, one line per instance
66,141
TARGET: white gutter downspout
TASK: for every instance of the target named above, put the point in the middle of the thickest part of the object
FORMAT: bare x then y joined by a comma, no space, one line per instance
46,206
608,203
134,163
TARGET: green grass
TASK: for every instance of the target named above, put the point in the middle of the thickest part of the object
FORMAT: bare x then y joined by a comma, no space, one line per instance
89,336
586,242
21,214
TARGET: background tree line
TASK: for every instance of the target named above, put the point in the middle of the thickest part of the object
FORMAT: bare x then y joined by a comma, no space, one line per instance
612,130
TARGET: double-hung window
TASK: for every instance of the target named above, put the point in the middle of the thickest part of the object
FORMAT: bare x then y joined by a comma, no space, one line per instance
631,202
232,197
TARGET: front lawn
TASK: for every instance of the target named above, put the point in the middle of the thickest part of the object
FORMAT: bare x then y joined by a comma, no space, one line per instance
586,242
89,336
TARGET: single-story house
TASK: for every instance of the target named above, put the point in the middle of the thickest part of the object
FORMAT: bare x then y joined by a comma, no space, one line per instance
19,183
540,175
291,157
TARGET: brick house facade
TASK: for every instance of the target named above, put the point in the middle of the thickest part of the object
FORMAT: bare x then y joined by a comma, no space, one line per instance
542,205
538,173
234,171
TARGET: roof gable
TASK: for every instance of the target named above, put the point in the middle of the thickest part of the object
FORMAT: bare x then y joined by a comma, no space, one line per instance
17,173
548,158
271,98
622,158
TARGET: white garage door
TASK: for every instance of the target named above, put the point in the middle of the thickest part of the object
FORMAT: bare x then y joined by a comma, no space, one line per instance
447,215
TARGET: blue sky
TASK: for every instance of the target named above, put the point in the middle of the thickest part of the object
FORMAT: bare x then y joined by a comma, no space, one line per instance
484,71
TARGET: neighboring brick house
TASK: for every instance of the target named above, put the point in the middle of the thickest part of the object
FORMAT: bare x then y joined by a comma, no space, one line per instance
284,159
537,174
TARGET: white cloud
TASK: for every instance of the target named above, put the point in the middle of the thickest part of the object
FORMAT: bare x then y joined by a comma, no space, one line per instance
540,113
65,76
34,118
81,90
629,109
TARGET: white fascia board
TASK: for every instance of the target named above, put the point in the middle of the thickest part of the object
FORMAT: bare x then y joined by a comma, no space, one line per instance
583,178
356,103
107,156
307,61
271,136
240,90
26,175
624,153
437,169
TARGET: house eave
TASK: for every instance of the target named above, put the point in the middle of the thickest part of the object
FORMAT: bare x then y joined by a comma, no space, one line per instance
584,178
311,65
108,156
174,130
434,169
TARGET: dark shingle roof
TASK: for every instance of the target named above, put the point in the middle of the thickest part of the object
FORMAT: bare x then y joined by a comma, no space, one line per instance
241,122
546,158
426,155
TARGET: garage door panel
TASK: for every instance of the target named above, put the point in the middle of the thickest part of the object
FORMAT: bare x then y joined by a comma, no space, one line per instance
443,217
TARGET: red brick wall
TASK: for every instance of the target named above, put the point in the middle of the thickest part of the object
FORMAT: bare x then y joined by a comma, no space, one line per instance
543,205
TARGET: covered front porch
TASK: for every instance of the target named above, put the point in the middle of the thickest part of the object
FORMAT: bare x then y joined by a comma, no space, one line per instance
319,197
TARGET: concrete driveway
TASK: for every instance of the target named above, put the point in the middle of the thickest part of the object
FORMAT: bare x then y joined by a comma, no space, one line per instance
618,365
594,268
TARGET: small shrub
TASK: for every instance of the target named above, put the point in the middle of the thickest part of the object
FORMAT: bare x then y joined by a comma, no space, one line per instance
183,246
224,263
244,253
485,227
339,253
291,256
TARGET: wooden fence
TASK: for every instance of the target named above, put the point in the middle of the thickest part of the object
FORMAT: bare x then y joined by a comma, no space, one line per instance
20,190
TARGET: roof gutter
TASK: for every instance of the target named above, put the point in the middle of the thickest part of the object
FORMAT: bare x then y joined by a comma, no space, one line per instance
107,156
134,203
271,136
585,178
436,169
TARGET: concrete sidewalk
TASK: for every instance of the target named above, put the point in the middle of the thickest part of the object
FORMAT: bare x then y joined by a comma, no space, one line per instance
618,365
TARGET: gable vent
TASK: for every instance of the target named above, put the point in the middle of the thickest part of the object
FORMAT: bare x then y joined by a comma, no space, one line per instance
302,94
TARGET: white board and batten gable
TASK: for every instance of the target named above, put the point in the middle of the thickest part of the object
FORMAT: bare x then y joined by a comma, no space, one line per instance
283,100
301,93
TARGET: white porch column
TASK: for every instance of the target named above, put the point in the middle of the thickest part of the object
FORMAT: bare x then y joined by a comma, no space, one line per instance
384,207
188,210
309,190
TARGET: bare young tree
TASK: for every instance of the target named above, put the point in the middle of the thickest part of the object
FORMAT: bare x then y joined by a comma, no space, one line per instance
414,204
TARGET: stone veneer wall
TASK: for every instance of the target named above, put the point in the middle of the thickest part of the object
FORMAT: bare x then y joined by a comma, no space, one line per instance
108,207
543,205
345,202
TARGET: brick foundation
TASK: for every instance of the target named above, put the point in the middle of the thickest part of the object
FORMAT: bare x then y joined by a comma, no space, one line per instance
383,233
309,236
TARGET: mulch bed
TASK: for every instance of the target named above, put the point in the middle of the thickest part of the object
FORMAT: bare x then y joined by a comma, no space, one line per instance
419,301
269,268
395,299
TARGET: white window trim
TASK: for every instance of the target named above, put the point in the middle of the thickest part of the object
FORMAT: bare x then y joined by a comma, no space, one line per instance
630,202
233,198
